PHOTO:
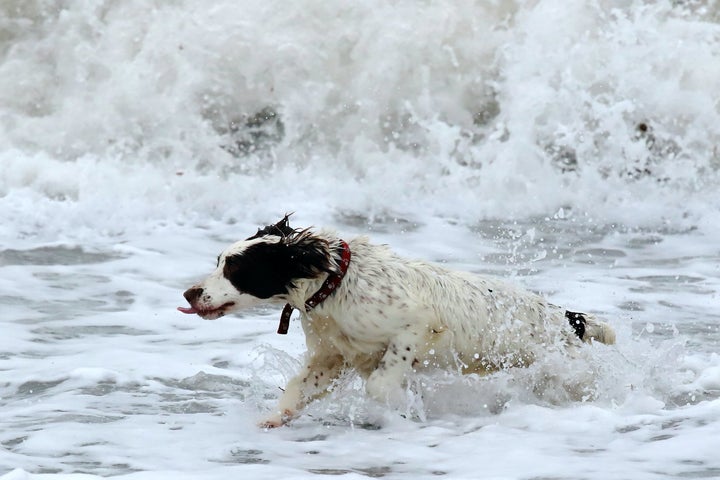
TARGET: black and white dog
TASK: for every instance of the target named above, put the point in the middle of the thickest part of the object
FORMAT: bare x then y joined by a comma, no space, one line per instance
364,307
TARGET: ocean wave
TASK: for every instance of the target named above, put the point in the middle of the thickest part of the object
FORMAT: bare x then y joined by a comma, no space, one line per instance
475,109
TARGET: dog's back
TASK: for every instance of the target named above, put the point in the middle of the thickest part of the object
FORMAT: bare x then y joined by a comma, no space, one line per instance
483,323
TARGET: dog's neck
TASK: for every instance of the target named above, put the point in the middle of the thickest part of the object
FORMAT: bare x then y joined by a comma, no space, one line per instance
329,284
304,289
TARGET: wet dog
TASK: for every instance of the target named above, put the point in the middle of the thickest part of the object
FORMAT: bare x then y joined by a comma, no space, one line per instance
366,308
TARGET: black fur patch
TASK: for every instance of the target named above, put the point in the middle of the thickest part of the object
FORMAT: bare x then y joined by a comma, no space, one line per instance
281,229
577,322
267,269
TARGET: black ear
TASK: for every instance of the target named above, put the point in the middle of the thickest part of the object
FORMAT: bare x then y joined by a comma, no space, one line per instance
309,254
281,229
264,270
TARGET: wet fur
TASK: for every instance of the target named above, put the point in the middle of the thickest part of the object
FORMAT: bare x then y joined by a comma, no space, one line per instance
389,316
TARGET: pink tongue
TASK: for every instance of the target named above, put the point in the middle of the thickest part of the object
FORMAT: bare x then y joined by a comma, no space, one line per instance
187,310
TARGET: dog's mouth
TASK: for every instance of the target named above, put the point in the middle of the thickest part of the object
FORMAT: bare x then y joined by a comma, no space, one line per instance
207,313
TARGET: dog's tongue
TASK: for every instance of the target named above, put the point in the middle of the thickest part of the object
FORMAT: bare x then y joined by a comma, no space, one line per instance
187,310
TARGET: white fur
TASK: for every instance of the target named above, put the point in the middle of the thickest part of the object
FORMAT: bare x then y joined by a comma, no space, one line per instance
392,315
218,291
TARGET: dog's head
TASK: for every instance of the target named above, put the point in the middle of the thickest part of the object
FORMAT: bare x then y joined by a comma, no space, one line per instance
263,267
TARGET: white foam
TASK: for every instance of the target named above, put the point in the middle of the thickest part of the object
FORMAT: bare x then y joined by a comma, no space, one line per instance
571,146
123,114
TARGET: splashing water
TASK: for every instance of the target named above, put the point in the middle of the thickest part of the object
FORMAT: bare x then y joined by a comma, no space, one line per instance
569,146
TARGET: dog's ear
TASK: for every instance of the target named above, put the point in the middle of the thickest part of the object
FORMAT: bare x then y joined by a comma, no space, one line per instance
268,268
281,229
308,254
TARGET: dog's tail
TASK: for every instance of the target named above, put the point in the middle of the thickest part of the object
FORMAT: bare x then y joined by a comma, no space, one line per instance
599,331
588,328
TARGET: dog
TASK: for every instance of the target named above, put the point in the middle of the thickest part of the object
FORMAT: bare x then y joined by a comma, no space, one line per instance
366,308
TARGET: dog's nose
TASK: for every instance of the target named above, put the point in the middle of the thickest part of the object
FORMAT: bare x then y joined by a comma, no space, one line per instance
192,294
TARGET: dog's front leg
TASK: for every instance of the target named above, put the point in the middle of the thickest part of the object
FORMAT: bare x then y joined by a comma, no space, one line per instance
386,383
313,381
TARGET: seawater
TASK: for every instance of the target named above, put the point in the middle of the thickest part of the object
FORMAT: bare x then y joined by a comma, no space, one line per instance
571,148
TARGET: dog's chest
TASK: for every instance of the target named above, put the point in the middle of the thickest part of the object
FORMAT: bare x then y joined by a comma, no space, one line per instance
360,342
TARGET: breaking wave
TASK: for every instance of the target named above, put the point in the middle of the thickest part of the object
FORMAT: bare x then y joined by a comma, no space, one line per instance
129,110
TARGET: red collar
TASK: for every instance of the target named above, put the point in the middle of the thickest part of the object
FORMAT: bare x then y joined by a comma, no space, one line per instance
327,288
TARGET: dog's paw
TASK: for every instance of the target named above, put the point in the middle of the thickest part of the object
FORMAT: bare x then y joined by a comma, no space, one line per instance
271,422
277,420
